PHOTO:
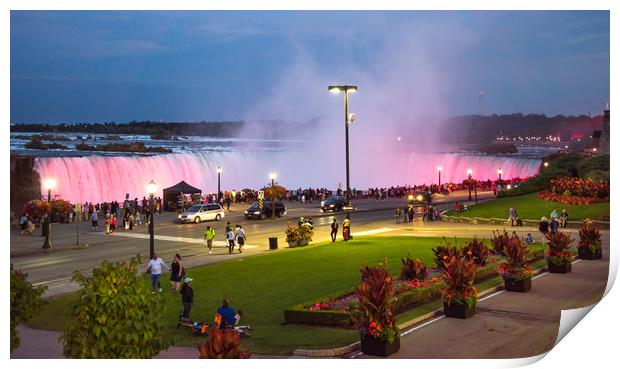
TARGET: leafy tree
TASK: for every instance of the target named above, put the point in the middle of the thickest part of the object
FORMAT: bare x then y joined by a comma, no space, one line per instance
115,315
279,192
26,302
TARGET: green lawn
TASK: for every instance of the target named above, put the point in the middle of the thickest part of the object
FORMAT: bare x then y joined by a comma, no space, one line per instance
530,207
264,285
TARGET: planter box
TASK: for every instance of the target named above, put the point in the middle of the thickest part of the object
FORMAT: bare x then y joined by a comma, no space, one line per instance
522,285
303,243
292,243
458,311
374,346
564,268
586,254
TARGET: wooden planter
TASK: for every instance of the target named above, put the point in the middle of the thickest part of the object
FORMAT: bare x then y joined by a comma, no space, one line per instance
586,254
564,268
374,346
458,311
522,285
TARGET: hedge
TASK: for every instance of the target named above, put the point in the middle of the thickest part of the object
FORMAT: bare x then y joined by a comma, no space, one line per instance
300,314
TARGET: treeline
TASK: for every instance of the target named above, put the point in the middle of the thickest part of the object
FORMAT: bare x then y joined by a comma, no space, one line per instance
217,129
483,129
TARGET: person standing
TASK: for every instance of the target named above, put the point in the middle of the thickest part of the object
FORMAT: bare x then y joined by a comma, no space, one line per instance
155,267
563,218
228,201
187,297
543,226
411,214
209,236
554,225
23,223
176,272
240,233
107,223
94,218
334,231
230,237
113,223
346,227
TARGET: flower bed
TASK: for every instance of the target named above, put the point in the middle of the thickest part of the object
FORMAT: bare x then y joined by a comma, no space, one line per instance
573,186
337,309
569,199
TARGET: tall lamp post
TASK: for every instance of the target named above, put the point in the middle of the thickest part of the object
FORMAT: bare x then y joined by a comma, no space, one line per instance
469,173
499,177
273,176
348,119
151,188
49,184
439,169
219,174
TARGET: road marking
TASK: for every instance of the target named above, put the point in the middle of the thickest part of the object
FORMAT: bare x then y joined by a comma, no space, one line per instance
52,281
171,238
421,325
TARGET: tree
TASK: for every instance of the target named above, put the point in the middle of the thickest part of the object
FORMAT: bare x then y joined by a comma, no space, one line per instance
115,315
279,192
26,302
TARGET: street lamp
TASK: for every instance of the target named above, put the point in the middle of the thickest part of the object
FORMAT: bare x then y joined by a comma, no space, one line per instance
469,173
49,184
273,176
151,188
439,169
499,175
348,119
546,164
219,174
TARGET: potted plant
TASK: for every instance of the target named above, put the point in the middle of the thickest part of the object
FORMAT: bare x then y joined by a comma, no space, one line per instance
460,296
305,235
516,271
590,246
413,269
559,259
378,332
477,251
292,235
222,344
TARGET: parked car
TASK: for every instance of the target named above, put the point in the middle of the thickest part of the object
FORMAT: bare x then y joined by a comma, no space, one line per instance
420,198
255,212
201,212
333,203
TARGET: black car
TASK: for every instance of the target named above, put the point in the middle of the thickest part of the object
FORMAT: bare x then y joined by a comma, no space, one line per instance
333,203
255,212
420,198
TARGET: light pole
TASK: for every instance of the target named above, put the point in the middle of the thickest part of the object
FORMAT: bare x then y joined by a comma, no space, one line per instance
273,176
546,164
151,188
49,184
219,174
499,176
469,173
348,119
439,169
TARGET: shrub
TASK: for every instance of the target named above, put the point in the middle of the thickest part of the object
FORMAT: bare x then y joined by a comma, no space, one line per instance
477,251
590,237
557,253
305,232
292,233
26,302
115,315
445,252
459,275
500,240
516,266
413,269
222,344
375,294
580,187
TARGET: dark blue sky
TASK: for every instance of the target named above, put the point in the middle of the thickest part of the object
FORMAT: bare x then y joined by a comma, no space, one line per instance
192,66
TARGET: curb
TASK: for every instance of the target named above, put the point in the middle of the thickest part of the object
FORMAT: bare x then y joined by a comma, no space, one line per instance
572,224
355,346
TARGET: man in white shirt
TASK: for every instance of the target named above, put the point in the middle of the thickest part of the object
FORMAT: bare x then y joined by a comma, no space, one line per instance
155,268
240,233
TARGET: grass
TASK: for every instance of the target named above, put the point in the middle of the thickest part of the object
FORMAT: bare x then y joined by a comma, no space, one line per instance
531,207
264,285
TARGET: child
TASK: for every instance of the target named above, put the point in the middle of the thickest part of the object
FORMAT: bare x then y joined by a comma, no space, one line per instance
529,239
230,236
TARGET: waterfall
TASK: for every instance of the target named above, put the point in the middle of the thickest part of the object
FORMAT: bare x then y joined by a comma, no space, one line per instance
107,178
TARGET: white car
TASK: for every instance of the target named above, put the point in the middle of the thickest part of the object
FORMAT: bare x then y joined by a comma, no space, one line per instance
201,212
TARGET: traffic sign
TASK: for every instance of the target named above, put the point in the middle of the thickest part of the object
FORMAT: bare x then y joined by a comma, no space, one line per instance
261,194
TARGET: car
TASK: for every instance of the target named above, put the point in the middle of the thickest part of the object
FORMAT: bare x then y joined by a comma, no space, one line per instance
420,198
333,203
255,212
201,212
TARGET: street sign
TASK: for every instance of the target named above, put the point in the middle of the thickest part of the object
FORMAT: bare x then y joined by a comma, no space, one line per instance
260,203
261,194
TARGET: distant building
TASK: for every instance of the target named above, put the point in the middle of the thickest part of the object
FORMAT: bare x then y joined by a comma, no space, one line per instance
604,137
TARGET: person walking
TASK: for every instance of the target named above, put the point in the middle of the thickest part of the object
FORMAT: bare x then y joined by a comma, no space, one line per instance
240,237
406,213
554,225
23,223
512,216
334,231
187,297
230,237
228,201
177,271
94,218
113,223
411,214
543,227
346,227
209,236
155,267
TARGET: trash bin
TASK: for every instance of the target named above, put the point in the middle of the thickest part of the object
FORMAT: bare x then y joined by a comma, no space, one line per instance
273,243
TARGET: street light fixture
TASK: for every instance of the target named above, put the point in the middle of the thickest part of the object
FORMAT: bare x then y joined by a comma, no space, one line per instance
439,169
219,174
348,119
49,184
151,188
546,164
273,176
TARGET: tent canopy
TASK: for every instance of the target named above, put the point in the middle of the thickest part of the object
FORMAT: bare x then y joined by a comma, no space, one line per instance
182,187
